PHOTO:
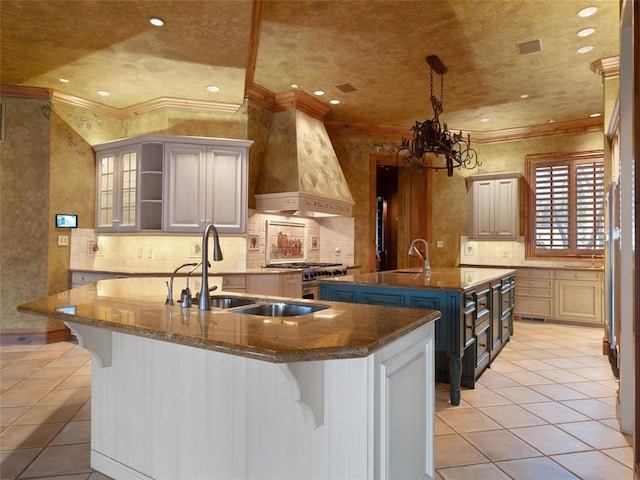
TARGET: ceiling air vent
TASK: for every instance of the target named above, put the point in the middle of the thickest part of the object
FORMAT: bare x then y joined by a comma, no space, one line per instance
346,88
532,46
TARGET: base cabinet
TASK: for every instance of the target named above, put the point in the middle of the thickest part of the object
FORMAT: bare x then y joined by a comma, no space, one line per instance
162,410
566,295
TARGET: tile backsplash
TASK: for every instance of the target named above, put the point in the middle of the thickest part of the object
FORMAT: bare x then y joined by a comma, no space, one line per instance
509,253
327,240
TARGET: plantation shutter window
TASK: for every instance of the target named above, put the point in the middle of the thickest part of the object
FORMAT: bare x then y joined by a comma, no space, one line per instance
566,205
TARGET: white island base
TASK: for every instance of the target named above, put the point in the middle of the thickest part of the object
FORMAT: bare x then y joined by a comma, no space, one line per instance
161,410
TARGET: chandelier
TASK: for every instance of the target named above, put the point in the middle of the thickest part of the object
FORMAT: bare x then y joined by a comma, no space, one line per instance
434,146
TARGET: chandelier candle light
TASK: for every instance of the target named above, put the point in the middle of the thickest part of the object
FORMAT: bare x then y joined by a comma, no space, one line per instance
434,146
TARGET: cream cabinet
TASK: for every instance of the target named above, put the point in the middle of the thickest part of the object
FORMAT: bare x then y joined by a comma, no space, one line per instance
234,283
579,296
279,285
129,185
567,295
534,293
493,206
206,183
171,184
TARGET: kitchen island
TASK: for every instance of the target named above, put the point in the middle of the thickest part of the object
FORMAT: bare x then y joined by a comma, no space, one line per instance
345,391
476,304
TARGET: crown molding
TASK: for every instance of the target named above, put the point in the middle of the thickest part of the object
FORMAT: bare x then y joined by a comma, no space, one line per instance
584,125
498,136
304,102
179,103
261,96
118,113
25,92
607,67
299,100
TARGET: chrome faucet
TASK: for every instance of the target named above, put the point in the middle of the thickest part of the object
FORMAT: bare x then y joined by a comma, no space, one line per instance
425,257
170,282
204,302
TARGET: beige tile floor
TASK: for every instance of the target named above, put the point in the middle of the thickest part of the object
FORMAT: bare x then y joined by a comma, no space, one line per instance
545,410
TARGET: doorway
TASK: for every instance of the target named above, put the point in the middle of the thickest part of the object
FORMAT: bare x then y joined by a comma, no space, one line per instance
386,217
402,214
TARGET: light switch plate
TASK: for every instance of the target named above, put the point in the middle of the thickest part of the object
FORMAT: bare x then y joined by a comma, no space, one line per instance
63,240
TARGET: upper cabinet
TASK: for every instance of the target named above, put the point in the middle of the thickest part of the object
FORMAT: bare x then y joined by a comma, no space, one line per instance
129,187
206,183
493,206
172,184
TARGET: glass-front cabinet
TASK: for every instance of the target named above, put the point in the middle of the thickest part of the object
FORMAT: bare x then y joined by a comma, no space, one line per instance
117,200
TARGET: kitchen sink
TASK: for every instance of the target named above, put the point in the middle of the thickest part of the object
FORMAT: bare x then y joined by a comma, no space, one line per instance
221,301
281,309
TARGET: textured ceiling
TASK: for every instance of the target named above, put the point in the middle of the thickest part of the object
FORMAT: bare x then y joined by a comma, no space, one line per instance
378,47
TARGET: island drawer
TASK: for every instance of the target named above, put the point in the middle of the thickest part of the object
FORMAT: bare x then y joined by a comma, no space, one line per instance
483,348
482,299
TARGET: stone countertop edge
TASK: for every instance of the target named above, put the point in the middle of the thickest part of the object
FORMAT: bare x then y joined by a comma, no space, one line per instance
537,267
306,339
441,278
183,273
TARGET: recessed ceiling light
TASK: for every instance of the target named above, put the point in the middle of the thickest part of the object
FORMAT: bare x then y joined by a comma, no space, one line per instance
524,96
294,85
595,115
156,22
585,32
585,49
213,88
334,102
485,119
103,93
587,12
552,120
319,93
63,80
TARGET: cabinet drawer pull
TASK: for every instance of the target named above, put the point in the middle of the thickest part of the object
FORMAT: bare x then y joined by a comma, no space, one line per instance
483,345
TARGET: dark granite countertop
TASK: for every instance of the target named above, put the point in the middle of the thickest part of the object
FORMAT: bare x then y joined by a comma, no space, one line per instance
136,306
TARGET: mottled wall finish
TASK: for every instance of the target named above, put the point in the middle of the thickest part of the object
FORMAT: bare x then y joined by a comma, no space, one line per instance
258,125
354,156
188,122
71,190
97,128
24,213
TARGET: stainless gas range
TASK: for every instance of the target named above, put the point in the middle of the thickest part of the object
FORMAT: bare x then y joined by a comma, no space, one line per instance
310,274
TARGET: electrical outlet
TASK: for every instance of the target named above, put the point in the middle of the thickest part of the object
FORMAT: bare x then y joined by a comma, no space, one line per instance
469,250
195,250
439,244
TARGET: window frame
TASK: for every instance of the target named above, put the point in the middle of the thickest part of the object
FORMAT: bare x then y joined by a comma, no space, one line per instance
572,159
